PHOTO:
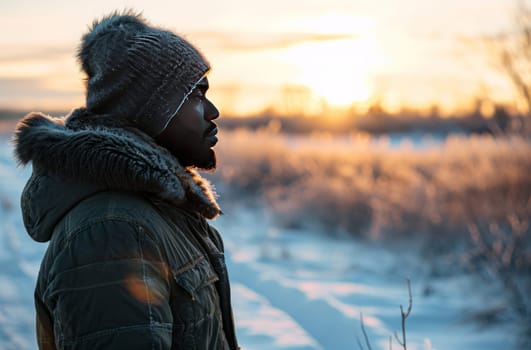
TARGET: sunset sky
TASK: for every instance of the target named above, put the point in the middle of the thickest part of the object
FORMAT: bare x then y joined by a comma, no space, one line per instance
282,54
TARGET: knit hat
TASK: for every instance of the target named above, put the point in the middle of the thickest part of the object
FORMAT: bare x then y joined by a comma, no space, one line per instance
138,72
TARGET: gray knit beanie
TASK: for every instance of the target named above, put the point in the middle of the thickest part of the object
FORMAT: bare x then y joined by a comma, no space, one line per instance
137,72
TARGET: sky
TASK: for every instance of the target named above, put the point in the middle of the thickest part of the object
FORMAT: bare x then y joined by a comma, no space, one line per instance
292,57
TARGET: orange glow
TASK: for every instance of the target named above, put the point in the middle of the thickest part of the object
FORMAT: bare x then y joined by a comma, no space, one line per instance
143,290
338,70
402,55
339,74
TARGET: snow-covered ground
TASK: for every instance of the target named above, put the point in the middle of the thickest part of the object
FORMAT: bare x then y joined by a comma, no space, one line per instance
291,289
301,290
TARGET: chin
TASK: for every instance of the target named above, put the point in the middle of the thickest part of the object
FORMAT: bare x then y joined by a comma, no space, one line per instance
208,164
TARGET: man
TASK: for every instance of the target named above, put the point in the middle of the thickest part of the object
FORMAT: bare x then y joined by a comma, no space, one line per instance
131,262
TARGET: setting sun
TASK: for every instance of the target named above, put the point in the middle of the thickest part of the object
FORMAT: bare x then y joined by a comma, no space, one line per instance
338,70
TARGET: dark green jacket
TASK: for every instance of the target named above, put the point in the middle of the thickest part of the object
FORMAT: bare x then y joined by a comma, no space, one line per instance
131,263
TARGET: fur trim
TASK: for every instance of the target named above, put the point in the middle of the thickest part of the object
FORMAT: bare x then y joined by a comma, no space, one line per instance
117,158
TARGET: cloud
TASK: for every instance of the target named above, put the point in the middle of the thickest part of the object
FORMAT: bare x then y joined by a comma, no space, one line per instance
239,41
12,86
224,40
32,53
34,92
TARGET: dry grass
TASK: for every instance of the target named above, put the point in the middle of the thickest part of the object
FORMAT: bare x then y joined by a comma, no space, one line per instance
370,188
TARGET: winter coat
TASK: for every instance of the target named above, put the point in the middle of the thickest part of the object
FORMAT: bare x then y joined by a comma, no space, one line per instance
131,262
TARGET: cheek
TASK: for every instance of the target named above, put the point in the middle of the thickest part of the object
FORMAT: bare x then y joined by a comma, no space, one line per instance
193,121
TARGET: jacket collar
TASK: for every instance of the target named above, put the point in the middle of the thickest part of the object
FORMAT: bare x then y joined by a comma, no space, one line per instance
109,156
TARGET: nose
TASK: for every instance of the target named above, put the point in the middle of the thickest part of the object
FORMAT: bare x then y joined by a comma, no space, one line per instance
211,111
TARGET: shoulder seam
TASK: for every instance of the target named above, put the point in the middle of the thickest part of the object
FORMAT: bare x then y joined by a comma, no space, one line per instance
69,235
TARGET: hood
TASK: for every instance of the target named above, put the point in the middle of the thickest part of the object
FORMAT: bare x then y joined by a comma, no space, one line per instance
73,160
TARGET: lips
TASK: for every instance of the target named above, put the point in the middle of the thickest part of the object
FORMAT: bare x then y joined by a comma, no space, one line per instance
212,131
211,137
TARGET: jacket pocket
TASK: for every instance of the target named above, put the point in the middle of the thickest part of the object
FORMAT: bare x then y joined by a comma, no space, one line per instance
196,297
195,276
195,306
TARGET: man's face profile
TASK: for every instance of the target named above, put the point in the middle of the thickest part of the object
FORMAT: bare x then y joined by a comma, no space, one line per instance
191,134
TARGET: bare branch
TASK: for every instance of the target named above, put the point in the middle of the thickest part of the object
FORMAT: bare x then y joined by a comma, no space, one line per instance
398,339
405,315
410,298
364,332
507,61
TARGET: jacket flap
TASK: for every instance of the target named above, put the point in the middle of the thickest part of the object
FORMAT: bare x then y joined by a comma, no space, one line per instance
195,275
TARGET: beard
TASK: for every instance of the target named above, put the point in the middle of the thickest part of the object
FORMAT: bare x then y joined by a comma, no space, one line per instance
208,162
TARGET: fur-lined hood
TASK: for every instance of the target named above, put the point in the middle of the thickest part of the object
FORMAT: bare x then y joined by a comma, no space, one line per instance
81,158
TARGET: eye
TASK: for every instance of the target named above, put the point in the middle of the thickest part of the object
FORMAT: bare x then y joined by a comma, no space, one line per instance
197,94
